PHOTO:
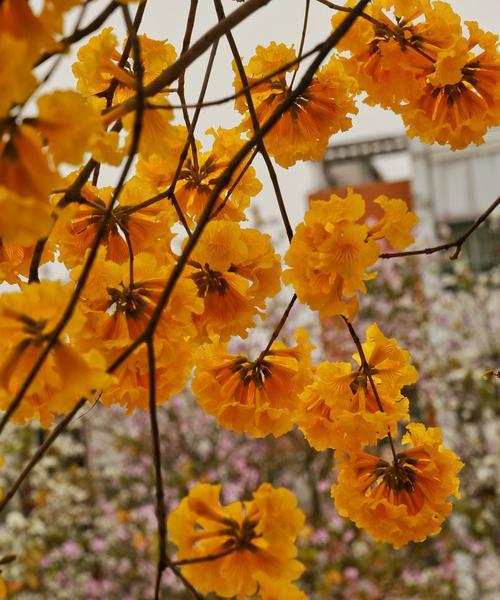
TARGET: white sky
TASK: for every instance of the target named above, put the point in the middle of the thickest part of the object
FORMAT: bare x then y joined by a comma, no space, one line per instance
280,20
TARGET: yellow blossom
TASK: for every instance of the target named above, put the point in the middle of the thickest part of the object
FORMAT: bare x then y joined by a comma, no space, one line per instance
16,78
257,536
235,270
255,397
27,319
303,131
404,501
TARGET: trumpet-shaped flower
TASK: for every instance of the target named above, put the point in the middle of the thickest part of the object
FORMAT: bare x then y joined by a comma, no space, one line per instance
404,501
255,397
256,538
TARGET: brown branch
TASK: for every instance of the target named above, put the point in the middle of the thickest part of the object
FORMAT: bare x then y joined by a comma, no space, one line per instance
235,183
255,122
302,38
277,329
161,512
201,559
368,373
457,244
193,7
35,260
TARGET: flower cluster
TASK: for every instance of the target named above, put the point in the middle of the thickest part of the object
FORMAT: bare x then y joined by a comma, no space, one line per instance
160,276
331,251
256,541
413,58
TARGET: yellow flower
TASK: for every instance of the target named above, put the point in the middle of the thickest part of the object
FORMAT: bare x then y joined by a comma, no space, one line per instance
15,260
458,111
258,535
118,312
198,177
235,270
27,319
329,255
23,220
387,60
68,123
17,19
97,64
396,224
339,409
254,397
24,168
303,131
148,229
16,78
405,501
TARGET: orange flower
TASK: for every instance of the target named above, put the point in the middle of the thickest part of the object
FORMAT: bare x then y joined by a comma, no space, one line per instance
463,99
303,131
235,270
98,63
339,409
199,176
258,535
396,224
26,321
404,501
68,123
329,254
118,313
148,229
17,19
392,59
254,397
277,589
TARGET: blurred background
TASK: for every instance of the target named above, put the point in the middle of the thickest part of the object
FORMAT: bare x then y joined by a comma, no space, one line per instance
83,525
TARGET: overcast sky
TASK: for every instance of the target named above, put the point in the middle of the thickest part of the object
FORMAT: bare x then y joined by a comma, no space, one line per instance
281,21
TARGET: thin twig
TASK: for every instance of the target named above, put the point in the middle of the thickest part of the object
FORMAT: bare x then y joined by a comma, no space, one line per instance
193,7
235,183
277,329
35,459
201,559
161,512
457,244
302,38
367,370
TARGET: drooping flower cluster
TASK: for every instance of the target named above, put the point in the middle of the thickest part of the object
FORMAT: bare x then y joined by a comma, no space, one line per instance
302,133
340,410
403,501
255,397
413,57
255,538
331,251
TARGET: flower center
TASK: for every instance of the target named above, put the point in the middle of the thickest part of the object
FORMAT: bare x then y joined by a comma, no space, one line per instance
131,301
209,281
